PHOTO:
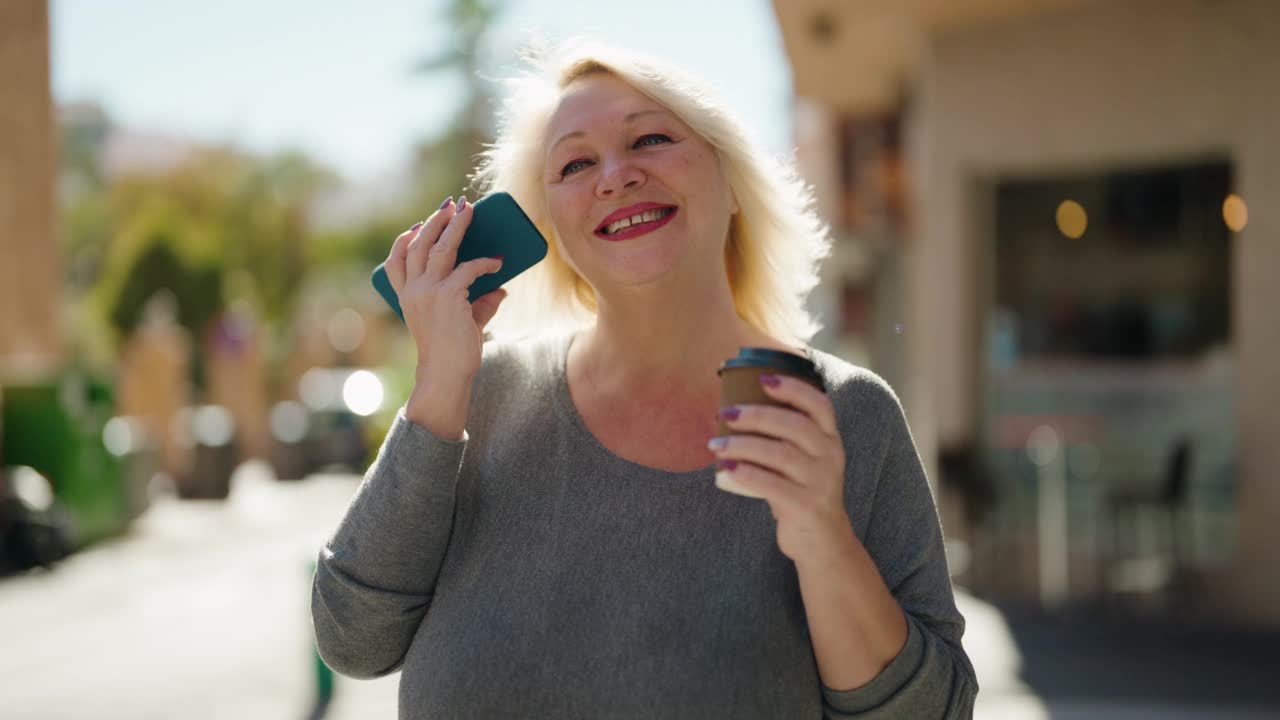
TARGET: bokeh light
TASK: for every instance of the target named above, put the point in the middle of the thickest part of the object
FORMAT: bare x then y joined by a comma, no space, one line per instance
121,436
213,425
362,392
31,487
1072,219
1235,213
289,422
317,389
346,330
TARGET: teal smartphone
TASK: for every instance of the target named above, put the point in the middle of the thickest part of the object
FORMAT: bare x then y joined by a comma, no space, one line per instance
498,227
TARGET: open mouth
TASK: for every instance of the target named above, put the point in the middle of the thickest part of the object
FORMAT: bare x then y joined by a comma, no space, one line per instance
635,221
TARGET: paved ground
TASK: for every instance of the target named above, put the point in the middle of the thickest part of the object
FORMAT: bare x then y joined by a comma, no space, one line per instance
1078,667
202,612
1084,666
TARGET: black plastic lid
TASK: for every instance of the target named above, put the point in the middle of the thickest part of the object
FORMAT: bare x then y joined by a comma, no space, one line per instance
789,363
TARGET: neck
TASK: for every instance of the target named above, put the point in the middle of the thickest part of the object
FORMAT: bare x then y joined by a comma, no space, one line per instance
646,338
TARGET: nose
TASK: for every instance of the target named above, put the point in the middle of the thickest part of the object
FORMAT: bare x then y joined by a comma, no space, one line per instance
618,174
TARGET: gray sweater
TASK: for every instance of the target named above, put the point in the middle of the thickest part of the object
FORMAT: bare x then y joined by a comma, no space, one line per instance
526,571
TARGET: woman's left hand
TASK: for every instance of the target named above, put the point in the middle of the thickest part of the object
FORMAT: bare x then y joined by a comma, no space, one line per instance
798,468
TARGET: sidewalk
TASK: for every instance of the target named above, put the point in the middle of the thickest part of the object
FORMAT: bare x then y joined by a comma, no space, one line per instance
204,607
1032,666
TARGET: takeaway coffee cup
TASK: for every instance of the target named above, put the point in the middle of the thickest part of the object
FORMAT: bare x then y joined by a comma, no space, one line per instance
740,377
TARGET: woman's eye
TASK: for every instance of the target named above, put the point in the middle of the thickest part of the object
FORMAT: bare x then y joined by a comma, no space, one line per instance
573,166
652,139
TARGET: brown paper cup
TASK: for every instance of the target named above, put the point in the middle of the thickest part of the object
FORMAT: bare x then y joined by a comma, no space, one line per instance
740,378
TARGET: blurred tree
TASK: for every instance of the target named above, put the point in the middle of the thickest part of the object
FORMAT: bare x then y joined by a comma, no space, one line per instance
223,227
148,256
445,161
227,227
442,163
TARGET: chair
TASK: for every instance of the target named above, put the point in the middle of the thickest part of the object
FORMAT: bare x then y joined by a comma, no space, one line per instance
1128,570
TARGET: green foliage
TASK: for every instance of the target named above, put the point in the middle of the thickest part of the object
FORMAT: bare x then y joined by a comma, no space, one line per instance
363,247
155,251
223,227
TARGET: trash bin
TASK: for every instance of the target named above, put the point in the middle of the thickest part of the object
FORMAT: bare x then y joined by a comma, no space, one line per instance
291,451
55,424
210,432
138,452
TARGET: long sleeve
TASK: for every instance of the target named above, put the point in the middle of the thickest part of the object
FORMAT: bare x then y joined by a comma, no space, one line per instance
931,677
376,576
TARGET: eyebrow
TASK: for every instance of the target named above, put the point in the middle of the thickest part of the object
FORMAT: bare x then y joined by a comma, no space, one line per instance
626,119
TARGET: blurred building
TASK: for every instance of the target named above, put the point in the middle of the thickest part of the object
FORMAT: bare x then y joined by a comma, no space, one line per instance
1056,240
30,264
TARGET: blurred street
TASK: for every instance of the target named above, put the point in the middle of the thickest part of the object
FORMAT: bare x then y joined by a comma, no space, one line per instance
202,610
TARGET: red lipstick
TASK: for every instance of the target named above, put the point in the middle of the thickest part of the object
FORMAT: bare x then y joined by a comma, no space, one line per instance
667,212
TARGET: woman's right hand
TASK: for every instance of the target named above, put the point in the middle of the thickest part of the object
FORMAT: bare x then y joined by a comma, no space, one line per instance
447,329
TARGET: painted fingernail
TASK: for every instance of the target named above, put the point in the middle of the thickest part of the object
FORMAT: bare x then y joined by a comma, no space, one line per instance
729,465
499,257
770,380
416,226
730,413
728,483
462,203
717,443
446,202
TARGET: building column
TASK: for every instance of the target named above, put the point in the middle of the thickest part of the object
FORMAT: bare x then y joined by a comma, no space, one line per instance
1255,592
31,273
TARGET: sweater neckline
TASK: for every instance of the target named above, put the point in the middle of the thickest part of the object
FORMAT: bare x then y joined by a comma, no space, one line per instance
595,449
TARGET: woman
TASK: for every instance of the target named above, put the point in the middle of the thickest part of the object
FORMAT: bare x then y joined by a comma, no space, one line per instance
550,528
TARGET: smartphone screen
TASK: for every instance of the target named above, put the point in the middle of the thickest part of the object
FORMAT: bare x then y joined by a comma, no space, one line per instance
498,227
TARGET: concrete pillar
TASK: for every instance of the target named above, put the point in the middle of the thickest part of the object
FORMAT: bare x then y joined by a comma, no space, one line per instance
237,379
30,260
1255,590
153,379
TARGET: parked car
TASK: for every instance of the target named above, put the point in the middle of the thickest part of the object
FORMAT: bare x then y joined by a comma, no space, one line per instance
327,429
34,527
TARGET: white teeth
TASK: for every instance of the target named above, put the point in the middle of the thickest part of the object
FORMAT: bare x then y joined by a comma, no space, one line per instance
646,216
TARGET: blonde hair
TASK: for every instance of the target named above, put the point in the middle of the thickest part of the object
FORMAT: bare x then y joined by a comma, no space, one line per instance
776,240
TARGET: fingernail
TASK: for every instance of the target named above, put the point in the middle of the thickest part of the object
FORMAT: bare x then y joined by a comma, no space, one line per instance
498,257
446,202
730,413
717,443
729,483
462,203
729,465
770,380
416,226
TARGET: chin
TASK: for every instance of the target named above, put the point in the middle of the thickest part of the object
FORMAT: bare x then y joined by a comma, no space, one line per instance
638,268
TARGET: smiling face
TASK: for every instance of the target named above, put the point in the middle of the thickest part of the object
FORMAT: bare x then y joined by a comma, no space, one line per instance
634,194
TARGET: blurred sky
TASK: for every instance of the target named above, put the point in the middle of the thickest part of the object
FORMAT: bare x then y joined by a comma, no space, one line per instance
333,77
